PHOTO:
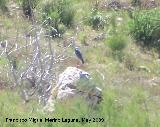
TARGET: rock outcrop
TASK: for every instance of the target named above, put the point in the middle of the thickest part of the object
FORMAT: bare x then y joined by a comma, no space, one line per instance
69,86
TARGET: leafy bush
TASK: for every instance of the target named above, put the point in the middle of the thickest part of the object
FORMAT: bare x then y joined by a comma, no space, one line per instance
145,27
67,13
60,10
58,13
136,2
27,6
117,42
3,6
96,19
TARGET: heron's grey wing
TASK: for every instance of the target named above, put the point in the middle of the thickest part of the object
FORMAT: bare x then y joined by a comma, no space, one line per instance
79,55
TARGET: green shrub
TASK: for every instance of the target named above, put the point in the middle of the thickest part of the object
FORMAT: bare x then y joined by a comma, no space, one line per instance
28,6
61,28
3,6
58,13
145,27
117,42
59,10
67,13
96,20
136,2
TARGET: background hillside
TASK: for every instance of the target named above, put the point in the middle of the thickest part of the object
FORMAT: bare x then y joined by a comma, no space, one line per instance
120,43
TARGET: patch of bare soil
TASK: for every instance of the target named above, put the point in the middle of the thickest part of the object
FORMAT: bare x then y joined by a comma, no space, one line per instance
1,85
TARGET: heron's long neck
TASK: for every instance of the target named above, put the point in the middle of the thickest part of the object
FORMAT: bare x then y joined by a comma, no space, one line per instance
74,44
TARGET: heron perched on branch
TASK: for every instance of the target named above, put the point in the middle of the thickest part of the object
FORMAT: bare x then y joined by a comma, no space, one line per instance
77,51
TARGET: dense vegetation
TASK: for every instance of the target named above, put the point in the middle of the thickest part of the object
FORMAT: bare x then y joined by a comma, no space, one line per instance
120,45
146,28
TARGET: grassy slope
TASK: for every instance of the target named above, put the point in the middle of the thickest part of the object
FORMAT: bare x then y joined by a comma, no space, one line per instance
131,98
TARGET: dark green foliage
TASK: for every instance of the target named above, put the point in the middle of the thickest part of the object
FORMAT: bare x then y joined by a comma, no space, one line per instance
96,20
59,13
3,6
117,42
67,13
28,6
136,2
145,27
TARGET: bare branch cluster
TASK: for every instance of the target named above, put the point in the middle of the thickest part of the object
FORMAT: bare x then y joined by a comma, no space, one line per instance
37,71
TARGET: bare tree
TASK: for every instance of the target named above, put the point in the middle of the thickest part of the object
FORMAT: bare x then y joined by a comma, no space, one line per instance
37,72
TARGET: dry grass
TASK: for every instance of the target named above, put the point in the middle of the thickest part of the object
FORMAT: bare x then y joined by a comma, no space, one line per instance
125,91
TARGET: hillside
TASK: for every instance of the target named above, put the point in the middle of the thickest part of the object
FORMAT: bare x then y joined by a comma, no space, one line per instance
119,41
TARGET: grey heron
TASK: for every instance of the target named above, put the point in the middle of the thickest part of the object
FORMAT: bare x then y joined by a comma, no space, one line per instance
77,51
